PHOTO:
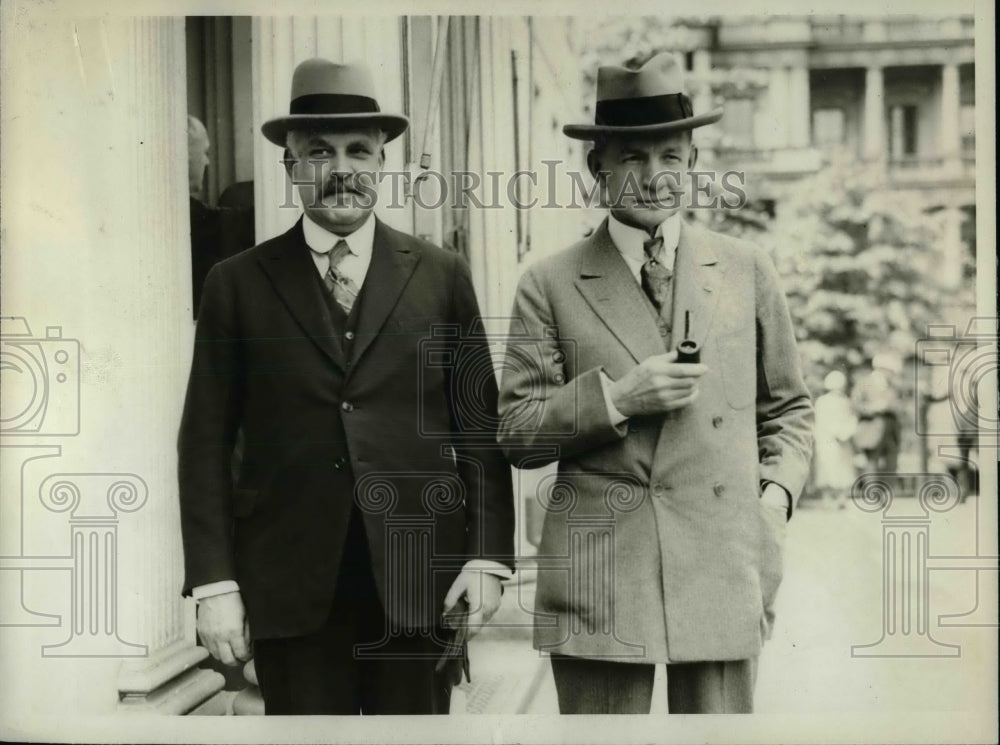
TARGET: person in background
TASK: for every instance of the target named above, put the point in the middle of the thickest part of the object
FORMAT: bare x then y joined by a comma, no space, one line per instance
836,425
876,402
206,228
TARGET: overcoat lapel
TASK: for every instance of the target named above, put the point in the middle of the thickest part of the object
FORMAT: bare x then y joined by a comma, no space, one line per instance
696,284
392,264
293,274
616,298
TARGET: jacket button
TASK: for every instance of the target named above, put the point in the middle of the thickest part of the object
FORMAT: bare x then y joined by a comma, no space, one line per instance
347,406
349,335
717,421
657,489
719,489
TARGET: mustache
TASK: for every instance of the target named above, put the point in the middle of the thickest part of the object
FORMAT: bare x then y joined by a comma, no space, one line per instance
339,186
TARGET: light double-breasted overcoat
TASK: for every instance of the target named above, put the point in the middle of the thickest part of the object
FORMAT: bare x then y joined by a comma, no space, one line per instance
655,545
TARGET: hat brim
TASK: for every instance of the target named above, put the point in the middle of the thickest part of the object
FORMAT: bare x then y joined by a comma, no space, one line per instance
591,131
276,130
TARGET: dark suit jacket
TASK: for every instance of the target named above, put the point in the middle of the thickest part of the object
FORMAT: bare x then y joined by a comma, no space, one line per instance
401,420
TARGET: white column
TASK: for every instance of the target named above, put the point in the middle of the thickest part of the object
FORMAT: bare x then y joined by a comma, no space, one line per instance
702,72
799,107
96,246
778,108
950,143
875,145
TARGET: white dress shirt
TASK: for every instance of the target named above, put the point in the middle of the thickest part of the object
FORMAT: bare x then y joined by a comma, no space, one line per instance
629,242
354,266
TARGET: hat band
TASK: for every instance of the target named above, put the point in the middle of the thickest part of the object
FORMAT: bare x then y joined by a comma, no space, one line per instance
333,103
636,112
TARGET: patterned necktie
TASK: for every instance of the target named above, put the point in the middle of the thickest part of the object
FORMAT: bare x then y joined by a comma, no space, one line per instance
343,289
655,277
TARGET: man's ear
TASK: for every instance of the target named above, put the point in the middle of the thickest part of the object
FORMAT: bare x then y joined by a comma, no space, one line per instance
288,161
381,159
593,163
692,156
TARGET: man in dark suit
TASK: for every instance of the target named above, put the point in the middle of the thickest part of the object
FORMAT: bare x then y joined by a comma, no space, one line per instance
370,495
663,536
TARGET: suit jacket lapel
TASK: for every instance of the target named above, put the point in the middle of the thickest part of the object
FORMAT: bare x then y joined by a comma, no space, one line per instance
392,264
292,272
696,284
610,288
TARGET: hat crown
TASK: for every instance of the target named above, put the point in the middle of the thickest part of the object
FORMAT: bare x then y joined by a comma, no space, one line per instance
318,76
662,75
327,95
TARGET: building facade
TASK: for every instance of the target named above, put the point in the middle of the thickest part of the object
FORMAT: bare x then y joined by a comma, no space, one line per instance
898,92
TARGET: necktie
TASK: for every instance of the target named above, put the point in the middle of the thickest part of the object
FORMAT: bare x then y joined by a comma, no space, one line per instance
342,288
655,277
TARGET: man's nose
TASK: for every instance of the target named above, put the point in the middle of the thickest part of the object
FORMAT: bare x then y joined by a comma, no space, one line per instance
660,174
339,164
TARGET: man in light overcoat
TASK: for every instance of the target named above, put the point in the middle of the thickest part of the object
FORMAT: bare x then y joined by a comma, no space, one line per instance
663,533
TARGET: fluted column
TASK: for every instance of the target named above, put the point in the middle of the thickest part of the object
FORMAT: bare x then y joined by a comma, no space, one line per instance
778,107
875,145
950,143
798,106
96,245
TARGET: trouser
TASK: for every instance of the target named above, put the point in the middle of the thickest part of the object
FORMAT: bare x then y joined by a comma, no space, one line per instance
325,673
588,686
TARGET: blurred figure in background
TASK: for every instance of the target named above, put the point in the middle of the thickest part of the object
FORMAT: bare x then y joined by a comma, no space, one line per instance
876,402
954,422
216,232
836,425
205,224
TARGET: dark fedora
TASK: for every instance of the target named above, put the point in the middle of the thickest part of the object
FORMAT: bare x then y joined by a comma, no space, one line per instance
326,95
649,100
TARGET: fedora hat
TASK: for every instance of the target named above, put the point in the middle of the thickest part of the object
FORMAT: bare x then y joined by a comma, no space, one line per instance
649,100
326,95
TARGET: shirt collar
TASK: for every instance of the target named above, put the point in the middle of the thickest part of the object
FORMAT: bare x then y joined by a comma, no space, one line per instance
321,240
629,240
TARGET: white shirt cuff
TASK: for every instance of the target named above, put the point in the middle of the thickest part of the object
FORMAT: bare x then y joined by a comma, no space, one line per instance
614,415
488,566
214,588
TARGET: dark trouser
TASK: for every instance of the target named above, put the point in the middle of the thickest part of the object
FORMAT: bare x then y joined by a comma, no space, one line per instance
602,687
323,673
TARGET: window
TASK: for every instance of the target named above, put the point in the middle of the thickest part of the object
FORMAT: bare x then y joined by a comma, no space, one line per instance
902,131
828,127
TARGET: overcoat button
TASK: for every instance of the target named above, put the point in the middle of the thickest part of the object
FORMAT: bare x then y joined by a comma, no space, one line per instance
347,406
717,422
349,335
719,489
